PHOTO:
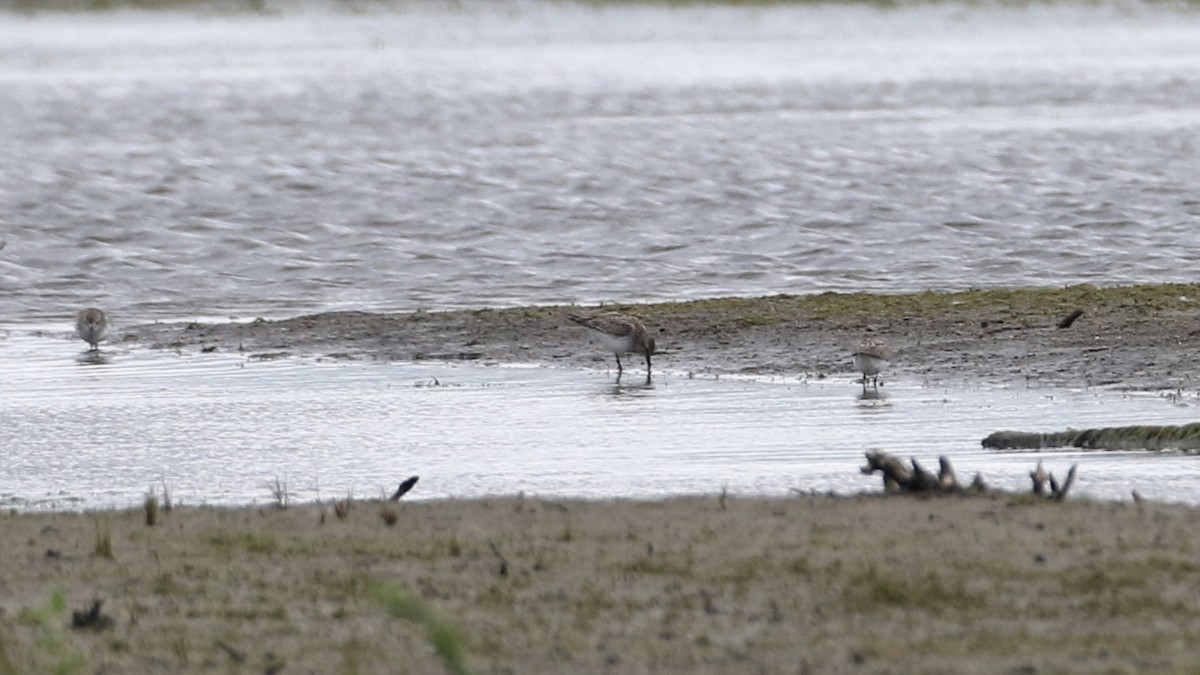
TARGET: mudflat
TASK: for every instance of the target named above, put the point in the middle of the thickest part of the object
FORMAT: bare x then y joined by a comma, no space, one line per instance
1133,337
998,583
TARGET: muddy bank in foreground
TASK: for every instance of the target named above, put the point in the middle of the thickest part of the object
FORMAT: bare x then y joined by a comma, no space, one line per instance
1139,337
697,585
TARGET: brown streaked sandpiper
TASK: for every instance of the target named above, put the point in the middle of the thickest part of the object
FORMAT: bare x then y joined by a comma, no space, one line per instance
621,333
869,357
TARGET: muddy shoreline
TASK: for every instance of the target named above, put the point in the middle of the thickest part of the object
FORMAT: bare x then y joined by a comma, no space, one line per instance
1135,337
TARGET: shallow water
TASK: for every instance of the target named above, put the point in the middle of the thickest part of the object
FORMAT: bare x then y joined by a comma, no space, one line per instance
168,167
91,432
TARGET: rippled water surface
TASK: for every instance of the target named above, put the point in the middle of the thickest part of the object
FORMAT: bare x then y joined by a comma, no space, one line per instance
221,429
170,166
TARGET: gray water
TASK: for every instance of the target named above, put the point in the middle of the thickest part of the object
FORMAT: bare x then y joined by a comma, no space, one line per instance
102,432
170,166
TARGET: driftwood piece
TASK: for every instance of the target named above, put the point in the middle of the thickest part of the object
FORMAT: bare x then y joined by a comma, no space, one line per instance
946,478
913,478
1060,492
1040,477
978,485
896,476
922,480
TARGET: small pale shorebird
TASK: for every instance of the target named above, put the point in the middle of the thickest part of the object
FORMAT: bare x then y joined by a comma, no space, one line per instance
869,357
90,326
621,333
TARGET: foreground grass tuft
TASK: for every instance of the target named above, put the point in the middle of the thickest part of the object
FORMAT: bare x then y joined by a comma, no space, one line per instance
873,588
56,654
445,638
150,505
104,545
279,493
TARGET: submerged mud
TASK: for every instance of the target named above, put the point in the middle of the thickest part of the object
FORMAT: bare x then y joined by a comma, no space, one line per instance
1135,337
1184,438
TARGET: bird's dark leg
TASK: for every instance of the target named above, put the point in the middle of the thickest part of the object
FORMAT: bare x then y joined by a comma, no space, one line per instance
647,364
619,368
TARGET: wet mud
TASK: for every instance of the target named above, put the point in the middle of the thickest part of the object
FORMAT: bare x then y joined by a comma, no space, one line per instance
1136,337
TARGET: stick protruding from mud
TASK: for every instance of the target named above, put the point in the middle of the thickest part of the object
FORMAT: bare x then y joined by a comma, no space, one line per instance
1070,319
405,486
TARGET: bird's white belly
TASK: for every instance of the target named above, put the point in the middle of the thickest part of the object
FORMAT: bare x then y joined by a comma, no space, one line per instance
615,343
867,364
91,332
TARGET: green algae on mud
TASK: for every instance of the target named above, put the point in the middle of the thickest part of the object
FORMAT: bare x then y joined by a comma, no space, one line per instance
1028,303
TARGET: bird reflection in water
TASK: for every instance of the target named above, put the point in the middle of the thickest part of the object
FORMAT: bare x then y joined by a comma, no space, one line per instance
625,386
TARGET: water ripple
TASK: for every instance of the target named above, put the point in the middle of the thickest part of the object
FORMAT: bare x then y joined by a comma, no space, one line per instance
165,167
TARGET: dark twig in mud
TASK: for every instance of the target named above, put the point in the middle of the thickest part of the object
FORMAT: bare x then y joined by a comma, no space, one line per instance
237,656
1059,492
92,617
279,493
503,560
1070,319
404,488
